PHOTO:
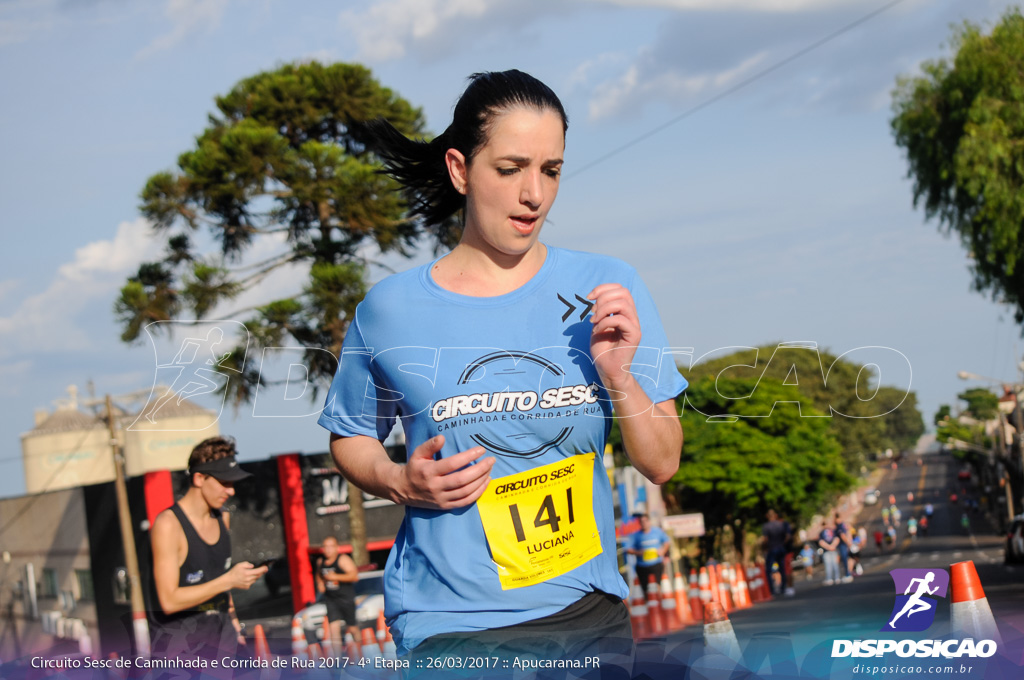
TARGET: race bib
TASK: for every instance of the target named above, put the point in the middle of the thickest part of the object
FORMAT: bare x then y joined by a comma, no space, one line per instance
650,555
540,523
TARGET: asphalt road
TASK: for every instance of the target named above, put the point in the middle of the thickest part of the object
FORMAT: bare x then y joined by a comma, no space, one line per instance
799,631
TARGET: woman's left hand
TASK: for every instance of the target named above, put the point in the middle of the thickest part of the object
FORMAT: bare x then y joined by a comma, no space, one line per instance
616,333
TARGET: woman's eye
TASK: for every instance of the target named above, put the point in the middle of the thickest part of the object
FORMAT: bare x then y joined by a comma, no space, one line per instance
505,172
553,172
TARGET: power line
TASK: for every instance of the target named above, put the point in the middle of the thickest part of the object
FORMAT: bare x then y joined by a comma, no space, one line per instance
735,88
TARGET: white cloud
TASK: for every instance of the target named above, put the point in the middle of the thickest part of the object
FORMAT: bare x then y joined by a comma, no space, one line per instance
46,321
186,17
385,30
616,97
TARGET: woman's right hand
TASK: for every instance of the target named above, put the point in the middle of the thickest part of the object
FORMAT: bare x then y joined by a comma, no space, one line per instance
451,482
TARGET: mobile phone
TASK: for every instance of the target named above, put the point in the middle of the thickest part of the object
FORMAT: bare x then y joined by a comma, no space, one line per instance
266,563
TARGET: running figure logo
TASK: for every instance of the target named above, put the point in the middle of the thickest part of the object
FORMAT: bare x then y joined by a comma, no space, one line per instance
914,610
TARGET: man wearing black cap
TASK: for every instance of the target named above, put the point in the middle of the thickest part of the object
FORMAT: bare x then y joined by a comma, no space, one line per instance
192,569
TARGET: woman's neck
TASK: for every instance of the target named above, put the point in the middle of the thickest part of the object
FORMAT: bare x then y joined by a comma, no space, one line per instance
472,271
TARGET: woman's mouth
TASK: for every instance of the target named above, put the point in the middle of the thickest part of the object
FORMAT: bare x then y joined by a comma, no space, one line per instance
525,224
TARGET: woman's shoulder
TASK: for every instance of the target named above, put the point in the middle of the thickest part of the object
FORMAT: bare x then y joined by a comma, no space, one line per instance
395,288
607,265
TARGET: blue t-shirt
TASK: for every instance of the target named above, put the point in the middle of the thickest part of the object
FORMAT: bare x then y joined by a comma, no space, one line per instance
649,543
512,373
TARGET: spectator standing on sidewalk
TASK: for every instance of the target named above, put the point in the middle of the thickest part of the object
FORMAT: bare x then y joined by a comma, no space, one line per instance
845,542
828,540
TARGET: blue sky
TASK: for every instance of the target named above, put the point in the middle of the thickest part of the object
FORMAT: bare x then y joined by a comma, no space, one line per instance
780,212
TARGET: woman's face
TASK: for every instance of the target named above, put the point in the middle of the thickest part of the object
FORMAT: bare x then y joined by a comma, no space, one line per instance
512,182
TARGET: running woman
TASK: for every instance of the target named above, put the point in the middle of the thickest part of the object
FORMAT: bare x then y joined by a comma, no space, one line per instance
504,360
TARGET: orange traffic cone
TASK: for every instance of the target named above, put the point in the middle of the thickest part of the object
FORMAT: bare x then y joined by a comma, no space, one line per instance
719,637
389,649
753,579
260,646
371,650
766,589
716,595
654,620
723,589
696,607
382,628
299,645
739,589
706,594
679,592
352,650
970,613
669,612
638,611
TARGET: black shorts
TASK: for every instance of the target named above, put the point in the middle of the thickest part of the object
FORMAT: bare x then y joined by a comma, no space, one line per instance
340,609
594,627
645,573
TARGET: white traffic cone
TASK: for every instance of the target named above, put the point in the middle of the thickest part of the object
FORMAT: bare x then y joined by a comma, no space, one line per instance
371,649
299,645
970,614
719,637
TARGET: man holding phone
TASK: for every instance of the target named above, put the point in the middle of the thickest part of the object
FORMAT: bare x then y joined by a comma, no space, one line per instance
192,570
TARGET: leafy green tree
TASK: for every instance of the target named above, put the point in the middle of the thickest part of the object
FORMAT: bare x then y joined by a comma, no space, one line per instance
954,432
833,386
735,469
981,403
942,414
280,164
961,124
903,426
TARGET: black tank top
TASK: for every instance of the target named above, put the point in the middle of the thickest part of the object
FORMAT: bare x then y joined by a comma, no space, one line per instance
335,589
204,562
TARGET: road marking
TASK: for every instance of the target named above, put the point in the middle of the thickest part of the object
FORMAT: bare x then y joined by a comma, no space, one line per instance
934,556
958,554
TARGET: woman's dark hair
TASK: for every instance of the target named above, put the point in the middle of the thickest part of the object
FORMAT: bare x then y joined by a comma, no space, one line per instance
420,166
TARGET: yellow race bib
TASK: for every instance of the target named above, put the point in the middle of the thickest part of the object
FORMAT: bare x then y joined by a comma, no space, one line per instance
650,555
540,523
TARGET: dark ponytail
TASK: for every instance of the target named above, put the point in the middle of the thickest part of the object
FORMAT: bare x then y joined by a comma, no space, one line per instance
420,167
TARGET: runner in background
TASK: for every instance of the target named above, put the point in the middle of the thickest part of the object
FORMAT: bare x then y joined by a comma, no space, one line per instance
650,545
336,575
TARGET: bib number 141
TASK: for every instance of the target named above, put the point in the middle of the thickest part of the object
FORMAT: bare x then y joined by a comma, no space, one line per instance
540,522
546,515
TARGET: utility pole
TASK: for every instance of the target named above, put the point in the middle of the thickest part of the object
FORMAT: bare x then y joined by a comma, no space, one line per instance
140,624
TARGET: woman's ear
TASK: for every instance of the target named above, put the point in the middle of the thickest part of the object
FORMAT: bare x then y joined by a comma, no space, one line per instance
457,170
